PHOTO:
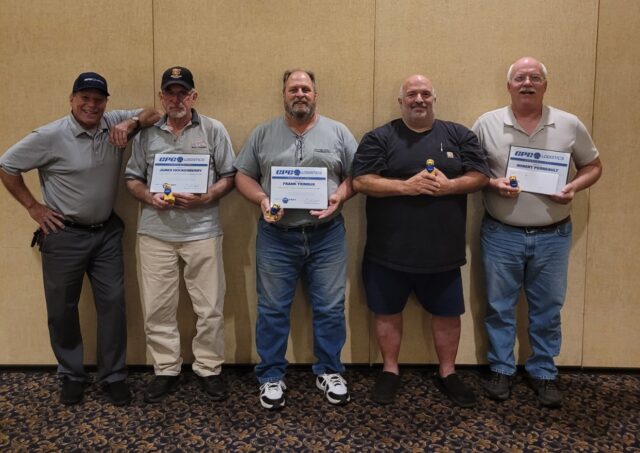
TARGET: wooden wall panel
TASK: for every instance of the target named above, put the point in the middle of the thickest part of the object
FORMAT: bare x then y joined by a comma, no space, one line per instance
237,53
612,308
466,47
361,52
44,45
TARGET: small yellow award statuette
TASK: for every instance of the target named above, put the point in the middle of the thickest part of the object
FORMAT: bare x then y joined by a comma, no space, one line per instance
273,210
168,196
430,166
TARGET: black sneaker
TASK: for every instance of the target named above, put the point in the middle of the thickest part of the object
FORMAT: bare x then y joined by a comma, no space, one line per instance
72,392
547,390
160,387
118,392
498,386
456,390
214,386
385,389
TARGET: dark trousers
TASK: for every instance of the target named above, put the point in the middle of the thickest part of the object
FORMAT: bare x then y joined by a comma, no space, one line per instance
66,256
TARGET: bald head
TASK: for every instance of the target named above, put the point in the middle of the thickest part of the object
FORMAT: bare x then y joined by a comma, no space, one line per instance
526,61
416,100
413,78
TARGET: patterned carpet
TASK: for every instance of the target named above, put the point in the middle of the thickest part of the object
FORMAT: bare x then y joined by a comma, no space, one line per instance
601,413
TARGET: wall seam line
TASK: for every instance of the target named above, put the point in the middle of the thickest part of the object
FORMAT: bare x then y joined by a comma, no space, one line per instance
593,120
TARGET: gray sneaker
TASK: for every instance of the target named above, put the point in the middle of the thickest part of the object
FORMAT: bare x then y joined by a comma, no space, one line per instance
498,386
547,390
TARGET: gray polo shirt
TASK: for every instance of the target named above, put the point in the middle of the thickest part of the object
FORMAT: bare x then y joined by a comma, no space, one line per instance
202,135
327,144
558,131
78,168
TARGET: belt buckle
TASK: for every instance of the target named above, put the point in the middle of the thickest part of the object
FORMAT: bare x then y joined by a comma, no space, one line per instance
531,230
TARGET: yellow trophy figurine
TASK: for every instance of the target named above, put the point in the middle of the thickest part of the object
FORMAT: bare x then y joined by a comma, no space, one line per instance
430,166
168,196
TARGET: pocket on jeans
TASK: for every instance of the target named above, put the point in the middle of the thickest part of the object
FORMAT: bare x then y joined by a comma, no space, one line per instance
490,225
565,229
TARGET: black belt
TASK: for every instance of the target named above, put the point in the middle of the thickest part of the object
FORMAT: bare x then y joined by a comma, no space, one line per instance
305,228
82,226
532,229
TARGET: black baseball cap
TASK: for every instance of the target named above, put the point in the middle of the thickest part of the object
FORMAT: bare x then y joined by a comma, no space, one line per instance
177,75
90,80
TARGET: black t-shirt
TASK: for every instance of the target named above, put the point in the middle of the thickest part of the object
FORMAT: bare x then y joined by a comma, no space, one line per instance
420,234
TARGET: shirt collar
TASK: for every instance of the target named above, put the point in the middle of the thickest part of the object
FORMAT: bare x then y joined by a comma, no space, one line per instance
546,119
77,129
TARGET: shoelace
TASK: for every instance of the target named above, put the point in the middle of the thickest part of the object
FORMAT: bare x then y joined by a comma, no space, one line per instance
496,378
269,387
335,380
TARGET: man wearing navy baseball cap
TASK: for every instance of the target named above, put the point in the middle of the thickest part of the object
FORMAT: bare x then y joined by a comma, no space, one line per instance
90,80
78,158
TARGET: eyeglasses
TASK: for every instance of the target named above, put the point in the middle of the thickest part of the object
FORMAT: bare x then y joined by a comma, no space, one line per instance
180,95
535,79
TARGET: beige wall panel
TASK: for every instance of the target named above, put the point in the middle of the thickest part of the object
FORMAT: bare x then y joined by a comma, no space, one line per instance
238,52
43,46
466,47
612,311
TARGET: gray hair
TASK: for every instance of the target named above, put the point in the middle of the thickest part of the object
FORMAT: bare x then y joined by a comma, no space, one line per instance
288,73
544,70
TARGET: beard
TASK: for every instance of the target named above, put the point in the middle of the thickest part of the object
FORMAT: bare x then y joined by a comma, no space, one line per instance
177,114
300,114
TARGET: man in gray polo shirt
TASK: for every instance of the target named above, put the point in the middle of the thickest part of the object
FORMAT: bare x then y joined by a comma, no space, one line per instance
78,159
526,235
183,228
294,243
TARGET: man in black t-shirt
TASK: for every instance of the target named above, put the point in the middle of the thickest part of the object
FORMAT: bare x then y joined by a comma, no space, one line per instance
416,222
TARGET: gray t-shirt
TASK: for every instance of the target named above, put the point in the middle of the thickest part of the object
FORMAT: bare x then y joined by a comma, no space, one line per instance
327,144
202,136
559,131
78,168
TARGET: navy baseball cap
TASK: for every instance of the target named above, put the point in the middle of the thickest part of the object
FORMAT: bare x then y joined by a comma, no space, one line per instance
177,75
90,80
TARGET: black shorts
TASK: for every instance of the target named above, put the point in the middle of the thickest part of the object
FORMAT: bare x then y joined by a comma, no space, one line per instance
387,290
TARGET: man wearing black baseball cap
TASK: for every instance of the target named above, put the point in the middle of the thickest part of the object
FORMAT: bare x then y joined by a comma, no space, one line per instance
78,158
186,228
177,75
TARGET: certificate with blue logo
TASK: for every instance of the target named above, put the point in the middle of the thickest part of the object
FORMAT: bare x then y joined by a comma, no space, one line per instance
299,187
539,170
187,173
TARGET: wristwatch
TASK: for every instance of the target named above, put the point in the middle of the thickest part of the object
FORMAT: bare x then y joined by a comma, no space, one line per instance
136,119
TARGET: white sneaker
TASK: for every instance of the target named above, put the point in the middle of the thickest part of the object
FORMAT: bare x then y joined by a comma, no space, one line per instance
272,395
334,387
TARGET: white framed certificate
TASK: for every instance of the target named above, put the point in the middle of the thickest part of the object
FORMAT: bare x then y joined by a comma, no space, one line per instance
299,187
539,170
187,173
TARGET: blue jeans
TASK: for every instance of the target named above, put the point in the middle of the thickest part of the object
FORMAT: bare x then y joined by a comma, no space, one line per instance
319,256
536,261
